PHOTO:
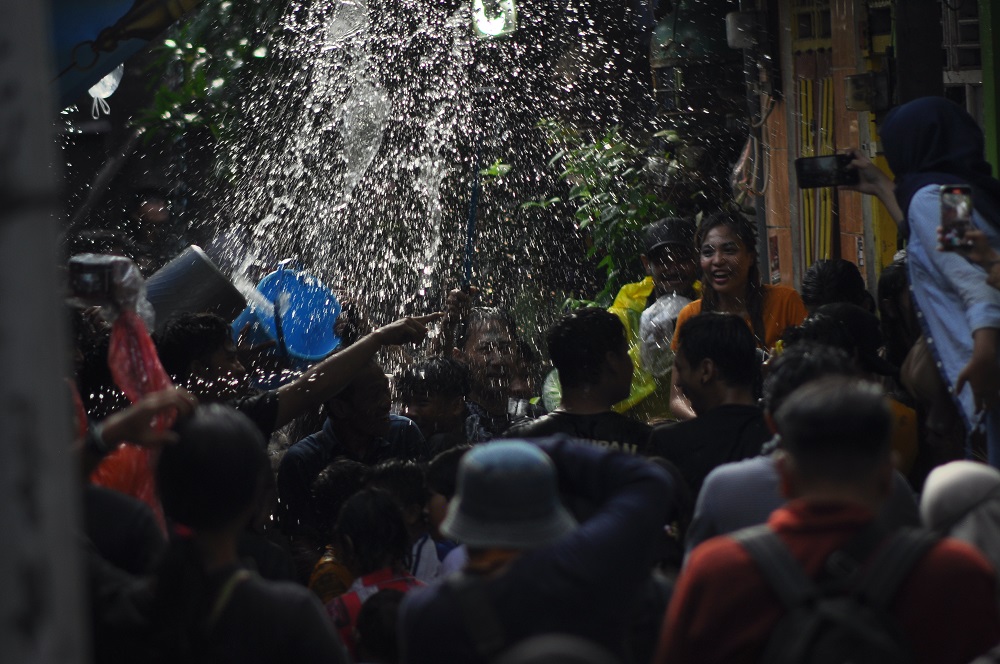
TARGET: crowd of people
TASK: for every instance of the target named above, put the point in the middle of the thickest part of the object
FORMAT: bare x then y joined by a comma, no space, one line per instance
722,470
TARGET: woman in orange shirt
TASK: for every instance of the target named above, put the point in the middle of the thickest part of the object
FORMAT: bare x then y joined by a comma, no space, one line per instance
731,284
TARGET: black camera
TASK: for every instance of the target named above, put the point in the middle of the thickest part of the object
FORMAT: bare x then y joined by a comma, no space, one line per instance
94,279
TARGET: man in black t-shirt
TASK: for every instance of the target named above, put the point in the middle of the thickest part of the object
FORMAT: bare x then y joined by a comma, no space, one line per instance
590,352
716,367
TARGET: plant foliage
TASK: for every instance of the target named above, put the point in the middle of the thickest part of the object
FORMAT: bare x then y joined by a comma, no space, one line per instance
613,187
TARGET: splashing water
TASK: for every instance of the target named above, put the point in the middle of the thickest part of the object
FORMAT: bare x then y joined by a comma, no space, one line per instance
347,162
359,156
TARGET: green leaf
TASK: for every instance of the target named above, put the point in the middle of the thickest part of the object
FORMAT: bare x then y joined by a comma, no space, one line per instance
555,159
497,169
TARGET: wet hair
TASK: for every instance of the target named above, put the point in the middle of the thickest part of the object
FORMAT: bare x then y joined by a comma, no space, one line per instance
834,280
744,230
800,364
330,490
208,481
442,471
215,471
478,316
435,376
727,341
371,531
848,327
376,627
403,480
836,429
188,338
823,329
892,284
578,344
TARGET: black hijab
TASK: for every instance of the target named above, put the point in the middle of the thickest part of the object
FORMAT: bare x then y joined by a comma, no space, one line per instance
932,140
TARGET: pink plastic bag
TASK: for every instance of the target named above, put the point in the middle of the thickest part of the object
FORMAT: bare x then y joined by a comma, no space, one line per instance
137,371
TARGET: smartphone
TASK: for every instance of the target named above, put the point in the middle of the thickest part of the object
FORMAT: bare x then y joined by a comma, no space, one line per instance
956,215
826,171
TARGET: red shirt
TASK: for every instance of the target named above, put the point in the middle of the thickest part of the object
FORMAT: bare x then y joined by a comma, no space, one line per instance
723,610
344,610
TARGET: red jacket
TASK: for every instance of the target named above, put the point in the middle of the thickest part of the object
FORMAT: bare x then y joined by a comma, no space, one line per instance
723,610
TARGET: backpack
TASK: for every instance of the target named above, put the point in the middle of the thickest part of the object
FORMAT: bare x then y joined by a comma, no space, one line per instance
844,616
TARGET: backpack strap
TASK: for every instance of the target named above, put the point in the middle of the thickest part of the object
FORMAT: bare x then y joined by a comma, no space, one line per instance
893,564
478,615
781,570
225,594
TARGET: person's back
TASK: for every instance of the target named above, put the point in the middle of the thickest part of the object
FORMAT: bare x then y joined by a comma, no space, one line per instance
269,621
372,535
204,605
716,368
744,493
590,351
836,466
580,581
609,430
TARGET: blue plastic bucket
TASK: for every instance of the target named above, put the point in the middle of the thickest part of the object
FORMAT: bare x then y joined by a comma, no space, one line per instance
302,323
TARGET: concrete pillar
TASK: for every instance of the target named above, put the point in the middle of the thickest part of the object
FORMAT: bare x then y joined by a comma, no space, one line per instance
41,614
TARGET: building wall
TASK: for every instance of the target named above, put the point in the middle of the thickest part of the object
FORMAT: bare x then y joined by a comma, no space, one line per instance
821,43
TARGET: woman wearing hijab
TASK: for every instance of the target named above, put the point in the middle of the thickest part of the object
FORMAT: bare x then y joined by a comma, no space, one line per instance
962,500
931,142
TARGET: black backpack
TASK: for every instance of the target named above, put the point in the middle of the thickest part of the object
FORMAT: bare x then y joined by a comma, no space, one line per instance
844,616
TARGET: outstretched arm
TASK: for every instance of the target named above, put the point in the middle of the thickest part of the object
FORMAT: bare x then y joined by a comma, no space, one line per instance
876,183
135,425
330,376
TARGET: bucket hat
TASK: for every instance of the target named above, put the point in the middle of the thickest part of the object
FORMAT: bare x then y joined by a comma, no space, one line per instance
507,498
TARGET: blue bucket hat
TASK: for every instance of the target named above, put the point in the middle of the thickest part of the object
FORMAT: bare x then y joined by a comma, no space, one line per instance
507,498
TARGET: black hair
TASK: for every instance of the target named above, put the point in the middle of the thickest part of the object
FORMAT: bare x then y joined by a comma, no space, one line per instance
892,283
207,482
849,327
801,364
214,472
478,316
442,471
833,280
376,627
330,490
403,480
727,341
187,338
822,329
579,341
371,532
747,234
836,428
435,376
